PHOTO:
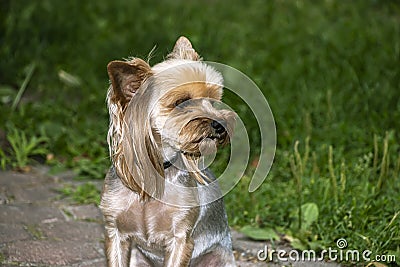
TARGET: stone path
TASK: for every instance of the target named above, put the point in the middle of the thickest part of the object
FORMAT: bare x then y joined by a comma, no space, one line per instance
40,228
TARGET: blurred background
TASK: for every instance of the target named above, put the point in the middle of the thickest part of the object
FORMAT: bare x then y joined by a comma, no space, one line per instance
329,70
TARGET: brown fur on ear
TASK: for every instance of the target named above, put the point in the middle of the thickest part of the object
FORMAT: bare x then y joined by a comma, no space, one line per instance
126,78
183,49
132,145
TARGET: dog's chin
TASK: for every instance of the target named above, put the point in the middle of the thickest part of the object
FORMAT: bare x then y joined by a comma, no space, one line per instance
204,147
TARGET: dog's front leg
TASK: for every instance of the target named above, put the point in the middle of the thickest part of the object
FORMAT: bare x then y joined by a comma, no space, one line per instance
179,253
117,249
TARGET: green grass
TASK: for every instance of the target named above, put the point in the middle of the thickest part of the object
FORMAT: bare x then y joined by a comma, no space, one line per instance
329,69
82,194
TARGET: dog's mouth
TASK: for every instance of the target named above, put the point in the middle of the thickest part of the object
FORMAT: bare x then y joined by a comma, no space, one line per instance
201,147
197,142
220,139
203,140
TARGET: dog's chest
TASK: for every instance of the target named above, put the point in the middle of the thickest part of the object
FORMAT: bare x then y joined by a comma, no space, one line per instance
152,224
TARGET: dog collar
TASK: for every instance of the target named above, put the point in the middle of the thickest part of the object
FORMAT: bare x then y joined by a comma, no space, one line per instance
167,164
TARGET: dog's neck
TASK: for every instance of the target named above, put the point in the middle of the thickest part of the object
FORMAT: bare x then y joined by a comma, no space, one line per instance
175,160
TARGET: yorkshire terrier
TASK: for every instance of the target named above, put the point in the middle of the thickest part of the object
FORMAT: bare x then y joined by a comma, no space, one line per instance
157,196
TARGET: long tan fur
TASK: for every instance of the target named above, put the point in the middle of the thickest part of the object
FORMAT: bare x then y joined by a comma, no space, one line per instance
162,121
130,145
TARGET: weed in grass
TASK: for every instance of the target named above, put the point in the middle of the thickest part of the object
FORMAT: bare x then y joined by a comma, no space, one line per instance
384,164
376,153
342,180
3,159
2,258
82,194
296,165
34,231
23,147
85,168
332,175
22,89
397,168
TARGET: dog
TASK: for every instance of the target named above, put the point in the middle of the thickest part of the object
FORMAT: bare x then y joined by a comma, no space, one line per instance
158,199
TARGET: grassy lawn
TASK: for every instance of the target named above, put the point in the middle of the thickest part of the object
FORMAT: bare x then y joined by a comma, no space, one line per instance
330,71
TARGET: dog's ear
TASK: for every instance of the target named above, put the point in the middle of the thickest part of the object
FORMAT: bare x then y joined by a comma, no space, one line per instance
126,78
183,49
132,145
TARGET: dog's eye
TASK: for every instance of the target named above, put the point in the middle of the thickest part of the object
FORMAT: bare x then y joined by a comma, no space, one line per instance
180,102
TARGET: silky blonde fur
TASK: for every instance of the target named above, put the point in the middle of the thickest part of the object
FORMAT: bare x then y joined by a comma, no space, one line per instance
157,215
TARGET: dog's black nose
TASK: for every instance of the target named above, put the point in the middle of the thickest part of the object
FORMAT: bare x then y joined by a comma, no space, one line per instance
218,127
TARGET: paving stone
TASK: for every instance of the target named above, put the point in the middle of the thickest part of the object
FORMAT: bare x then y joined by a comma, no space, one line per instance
28,213
88,212
4,199
73,231
9,178
90,263
12,232
244,245
25,188
64,253
255,264
34,194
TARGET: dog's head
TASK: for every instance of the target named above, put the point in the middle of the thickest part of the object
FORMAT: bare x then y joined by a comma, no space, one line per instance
163,112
